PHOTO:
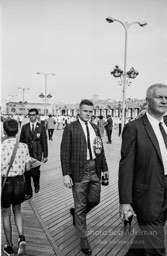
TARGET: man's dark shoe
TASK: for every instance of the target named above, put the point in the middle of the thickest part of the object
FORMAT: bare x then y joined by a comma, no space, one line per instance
72,211
36,189
85,247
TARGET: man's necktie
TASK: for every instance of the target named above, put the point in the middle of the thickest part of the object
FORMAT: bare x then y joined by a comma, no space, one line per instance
88,141
164,135
32,128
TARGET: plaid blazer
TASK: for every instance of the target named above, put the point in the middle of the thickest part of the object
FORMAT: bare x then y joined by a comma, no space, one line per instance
74,152
36,142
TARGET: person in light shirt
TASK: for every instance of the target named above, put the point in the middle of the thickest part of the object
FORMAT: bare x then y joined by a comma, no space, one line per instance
13,192
143,174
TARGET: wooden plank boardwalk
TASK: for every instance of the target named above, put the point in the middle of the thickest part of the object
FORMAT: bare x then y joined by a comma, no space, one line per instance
48,223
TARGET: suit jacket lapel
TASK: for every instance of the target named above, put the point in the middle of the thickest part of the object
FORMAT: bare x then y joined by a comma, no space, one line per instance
35,131
94,128
36,128
29,128
28,131
80,130
151,135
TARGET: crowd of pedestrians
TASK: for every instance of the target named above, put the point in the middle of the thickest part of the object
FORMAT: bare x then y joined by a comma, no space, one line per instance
142,168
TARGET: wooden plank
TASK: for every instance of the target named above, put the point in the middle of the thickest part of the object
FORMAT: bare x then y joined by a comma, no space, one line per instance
48,223
37,242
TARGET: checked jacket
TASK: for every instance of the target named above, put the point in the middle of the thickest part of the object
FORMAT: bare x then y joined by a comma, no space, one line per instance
74,152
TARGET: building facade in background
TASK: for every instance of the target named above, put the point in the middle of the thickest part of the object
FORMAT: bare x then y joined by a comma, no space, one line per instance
101,107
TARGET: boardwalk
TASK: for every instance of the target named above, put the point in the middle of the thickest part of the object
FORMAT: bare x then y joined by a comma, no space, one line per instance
48,223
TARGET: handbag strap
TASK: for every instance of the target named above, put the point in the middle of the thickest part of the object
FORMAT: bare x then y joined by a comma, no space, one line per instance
11,160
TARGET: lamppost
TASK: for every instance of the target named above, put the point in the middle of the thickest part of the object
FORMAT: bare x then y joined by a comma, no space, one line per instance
42,95
126,26
12,95
118,73
131,74
23,88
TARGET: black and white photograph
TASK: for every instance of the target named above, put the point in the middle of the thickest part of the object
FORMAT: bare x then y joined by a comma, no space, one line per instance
83,127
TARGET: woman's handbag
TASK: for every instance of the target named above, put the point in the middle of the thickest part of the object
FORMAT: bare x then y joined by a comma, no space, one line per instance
11,162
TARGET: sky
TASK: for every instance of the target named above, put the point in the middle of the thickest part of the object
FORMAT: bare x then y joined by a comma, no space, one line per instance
73,40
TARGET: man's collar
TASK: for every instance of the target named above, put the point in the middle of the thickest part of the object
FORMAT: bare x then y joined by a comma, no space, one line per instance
34,122
153,119
82,122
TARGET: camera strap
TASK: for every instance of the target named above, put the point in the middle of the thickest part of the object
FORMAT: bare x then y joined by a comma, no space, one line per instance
11,161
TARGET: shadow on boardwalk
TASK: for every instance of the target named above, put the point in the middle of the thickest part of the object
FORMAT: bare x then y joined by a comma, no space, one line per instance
48,223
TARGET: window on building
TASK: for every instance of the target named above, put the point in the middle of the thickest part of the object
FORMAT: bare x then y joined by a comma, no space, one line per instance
13,109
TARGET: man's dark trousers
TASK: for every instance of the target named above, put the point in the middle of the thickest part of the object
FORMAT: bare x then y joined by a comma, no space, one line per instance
153,243
109,133
86,196
35,174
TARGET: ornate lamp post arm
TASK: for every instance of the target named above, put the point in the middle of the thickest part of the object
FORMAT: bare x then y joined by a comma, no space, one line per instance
45,75
126,26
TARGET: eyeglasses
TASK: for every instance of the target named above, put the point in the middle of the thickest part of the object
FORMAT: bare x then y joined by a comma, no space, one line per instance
32,114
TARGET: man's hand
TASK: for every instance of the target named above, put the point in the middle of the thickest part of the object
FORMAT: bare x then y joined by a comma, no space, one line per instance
125,210
67,181
106,174
45,159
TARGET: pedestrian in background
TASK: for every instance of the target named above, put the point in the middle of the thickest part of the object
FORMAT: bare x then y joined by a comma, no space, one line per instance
109,127
50,125
34,135
101,123
119,126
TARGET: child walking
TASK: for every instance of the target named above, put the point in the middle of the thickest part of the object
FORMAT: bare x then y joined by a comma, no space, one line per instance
13,193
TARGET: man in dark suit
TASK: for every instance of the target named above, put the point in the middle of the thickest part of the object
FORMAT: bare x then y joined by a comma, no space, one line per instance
143,174
165,118
34,135
82,160
109,126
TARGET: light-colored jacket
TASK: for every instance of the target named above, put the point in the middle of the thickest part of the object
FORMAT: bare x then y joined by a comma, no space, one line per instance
50,123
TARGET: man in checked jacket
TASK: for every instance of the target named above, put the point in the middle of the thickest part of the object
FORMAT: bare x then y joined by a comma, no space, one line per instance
82,160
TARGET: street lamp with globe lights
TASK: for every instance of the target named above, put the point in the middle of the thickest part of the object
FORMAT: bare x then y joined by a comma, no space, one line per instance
23,88
126,26
118,73
45,96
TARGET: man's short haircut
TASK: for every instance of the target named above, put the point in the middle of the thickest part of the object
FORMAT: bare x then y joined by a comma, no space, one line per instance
86,102
33,110
10,126
151,89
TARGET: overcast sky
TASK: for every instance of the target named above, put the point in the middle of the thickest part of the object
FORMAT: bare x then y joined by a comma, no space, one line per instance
72,39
